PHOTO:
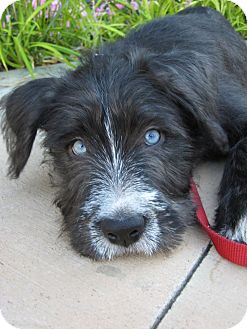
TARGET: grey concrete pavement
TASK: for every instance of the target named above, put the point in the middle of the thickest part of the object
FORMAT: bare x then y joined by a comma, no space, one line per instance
216,297
44,284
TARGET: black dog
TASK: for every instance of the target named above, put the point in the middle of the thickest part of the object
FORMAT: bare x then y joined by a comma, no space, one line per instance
125,129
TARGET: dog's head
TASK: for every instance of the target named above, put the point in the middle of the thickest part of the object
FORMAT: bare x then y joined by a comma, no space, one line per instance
122,133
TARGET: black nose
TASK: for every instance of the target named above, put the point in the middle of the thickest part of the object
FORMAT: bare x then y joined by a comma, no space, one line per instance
123,231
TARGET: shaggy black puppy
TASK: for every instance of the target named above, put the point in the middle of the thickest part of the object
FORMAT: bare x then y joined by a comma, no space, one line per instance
125,129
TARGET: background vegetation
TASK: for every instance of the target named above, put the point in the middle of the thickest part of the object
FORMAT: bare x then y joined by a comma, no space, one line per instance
38,32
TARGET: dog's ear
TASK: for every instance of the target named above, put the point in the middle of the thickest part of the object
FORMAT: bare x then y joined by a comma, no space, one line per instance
188,79
24,112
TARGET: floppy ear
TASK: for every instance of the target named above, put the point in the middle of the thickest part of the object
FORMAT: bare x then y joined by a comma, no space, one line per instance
188,79
25,110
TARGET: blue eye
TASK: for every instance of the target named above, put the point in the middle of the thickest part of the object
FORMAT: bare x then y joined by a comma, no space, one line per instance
152,137
78,148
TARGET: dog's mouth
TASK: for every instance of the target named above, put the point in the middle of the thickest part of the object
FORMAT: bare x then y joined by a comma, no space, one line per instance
162,231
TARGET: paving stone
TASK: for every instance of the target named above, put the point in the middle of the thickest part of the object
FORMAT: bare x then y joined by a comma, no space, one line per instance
10,79
44,284
216,297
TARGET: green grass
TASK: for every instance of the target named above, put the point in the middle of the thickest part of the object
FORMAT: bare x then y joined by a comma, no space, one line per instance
30,37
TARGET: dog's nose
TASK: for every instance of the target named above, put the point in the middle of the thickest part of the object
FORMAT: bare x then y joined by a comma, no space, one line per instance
123,231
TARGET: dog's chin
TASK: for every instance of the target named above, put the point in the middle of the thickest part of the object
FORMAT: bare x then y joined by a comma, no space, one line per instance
156,238
102,249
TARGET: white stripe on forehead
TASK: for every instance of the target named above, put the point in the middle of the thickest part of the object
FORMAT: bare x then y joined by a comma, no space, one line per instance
115,149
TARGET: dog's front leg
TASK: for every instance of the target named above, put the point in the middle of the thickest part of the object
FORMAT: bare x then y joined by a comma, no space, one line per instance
231,214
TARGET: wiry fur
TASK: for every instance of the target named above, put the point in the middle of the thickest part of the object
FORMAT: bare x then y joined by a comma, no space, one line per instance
185,76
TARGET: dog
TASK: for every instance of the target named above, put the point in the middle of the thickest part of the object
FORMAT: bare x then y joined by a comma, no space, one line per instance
125,129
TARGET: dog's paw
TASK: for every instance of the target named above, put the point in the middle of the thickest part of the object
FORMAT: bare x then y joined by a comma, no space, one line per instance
231,216
237,233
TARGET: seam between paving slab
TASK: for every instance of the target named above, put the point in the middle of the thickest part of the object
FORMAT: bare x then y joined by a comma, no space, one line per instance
178,291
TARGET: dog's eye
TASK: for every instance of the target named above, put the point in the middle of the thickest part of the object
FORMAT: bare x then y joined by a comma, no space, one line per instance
152,137
78,148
